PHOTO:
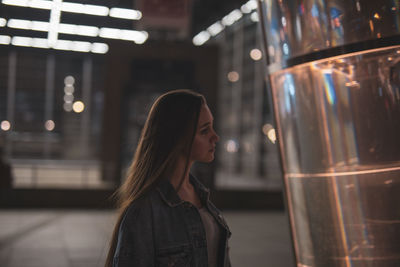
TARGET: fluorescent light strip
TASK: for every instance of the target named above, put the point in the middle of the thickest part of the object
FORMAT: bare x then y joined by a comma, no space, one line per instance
254,17
45,26
232,17
99,48
84,9
5,39
40,4
228,20
3,22
201,38
40,43
215,28
249,6
19,24
21,41
124,13
138,37
23,3
77,46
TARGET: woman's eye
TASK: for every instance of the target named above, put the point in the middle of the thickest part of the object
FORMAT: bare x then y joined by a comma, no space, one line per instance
204,131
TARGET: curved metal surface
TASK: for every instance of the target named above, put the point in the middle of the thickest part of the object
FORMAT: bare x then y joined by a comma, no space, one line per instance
295,28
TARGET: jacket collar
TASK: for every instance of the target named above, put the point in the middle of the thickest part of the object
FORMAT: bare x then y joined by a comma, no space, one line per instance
170,196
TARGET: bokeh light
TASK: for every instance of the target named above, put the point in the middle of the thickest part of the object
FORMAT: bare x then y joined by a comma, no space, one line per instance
78,106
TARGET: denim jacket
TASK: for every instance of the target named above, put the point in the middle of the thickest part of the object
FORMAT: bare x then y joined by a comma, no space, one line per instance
160,229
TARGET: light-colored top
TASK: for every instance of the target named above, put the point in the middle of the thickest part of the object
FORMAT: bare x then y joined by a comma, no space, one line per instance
212,236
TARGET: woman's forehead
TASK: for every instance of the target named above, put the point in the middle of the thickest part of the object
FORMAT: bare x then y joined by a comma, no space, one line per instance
205,115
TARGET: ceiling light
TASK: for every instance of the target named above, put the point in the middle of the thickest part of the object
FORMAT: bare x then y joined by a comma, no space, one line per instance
21,41
96,10
63,45
87,30
254,17
138,37
3,22
40,43
201,38
81,46
232,17
40,26
249,6
99,48
215,28
15,2
72,7
124,13
84,9
67,28
19,24
40,4
109,33
5,39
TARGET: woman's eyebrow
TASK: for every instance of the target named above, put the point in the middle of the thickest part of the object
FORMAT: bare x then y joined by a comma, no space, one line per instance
205,124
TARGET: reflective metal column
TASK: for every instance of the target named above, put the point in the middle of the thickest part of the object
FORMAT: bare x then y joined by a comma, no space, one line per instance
334,68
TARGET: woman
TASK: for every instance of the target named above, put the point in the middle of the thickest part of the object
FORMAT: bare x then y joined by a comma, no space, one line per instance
166,217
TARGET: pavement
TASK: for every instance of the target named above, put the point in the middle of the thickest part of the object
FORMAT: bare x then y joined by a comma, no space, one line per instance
79,238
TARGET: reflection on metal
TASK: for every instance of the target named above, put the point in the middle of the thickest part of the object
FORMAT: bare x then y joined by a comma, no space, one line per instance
338,128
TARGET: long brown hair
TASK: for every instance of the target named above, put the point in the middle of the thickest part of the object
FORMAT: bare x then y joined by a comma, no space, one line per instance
167,134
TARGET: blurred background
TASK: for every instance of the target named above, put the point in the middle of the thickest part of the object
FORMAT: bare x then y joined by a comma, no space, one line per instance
77,79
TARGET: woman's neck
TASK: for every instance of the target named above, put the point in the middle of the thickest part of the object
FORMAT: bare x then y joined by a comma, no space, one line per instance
180,173
183,187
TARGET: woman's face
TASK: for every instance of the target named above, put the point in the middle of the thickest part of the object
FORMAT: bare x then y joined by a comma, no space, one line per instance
205,139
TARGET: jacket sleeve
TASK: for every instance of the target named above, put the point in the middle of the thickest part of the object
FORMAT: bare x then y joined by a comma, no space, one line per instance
135,245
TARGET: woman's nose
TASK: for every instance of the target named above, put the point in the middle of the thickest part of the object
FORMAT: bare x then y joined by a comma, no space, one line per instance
216,137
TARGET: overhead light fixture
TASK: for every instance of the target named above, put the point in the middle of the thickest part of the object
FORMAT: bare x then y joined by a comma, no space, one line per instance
138,37
23,3
21,41
67,28
80,46
40,4
249,6
254,17
3,22
124,13
232,17
215,28
84,9
96,10
87,30
40,26
77,46
63,45
19,24
5,39
99,48
201,38
109,33
40,43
